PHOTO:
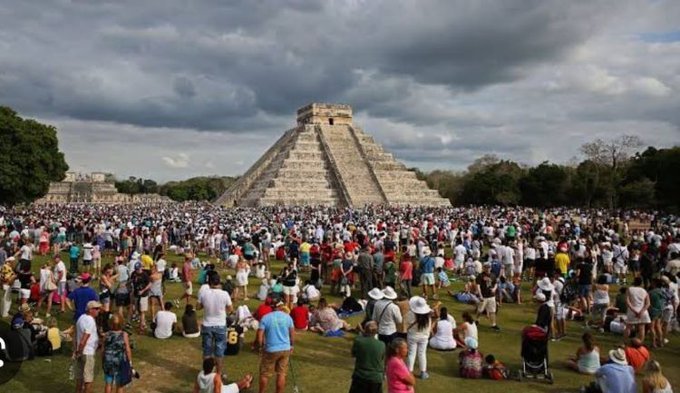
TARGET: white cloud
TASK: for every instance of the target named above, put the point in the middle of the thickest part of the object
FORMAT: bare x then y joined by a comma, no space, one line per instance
181,160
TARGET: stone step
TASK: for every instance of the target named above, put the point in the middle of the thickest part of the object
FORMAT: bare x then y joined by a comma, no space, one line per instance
384,175
299,193
304,164
306,155
302,173
303,183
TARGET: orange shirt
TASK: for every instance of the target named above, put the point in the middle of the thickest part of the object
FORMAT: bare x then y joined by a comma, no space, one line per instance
637,357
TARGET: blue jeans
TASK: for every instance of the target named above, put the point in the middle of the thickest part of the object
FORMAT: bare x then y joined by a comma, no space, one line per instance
214,340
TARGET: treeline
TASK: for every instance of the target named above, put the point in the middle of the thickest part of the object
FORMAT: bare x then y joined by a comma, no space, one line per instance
613,174
197,188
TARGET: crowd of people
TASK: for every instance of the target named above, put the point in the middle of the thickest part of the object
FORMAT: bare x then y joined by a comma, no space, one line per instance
392,265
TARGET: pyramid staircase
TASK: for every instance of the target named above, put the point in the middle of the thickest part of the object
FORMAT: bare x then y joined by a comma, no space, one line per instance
321,163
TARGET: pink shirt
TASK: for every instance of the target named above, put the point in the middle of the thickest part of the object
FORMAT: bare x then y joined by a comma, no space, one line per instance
406,271
396,370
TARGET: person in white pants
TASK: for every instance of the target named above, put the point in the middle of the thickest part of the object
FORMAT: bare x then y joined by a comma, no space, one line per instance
419,325
7,277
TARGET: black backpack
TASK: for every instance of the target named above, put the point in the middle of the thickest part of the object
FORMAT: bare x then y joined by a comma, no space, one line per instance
43,347
569,293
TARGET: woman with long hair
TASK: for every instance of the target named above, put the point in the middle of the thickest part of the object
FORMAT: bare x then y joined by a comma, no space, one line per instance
654,380
418,327
442,331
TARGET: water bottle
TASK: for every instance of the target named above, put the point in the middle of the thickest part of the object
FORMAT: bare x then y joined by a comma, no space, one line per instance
71,372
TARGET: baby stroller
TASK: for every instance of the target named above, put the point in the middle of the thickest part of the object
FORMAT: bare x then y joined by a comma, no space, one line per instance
535,354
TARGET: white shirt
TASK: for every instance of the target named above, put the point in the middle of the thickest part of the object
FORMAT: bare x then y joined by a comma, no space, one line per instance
160,265
164,320
27,252
87,251
60,268
460,252
530,253
87,325
214,302
390,318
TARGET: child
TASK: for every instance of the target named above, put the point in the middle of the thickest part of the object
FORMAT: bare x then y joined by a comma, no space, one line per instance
174,273
53,334
442,279
494,369
264,290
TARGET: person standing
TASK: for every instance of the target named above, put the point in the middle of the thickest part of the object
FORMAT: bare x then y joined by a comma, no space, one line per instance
186,278
275,337
85,347
82,296
427,273
216,304
365,265
387,315
369,365
487,292
418,327
116,351
399,379
637,302
7,277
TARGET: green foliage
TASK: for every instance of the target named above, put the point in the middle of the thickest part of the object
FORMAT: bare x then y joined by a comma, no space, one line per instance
197,188
135,185
29,158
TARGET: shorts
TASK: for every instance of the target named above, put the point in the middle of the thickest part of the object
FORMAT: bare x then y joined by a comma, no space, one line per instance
188,288
620,269
634,266
87,262
144,303
559,312
25,293
123,299
667,315
427,279
599,311
108,245
112,379
509,269
584,290
289,291
274,362
61,288
249,257
85,368
214,340
529,263
487,304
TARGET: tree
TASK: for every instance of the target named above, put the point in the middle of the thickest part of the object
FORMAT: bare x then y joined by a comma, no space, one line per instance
29,158
197,188
544,185
612,155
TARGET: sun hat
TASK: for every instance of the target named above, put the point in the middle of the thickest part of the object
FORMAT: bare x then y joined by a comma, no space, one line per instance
471,342
375,294
666,279
540,297
93,304
24,307
618,356
389,293
545,284
10,259
560,279
427,251
228,277
419,305
135,255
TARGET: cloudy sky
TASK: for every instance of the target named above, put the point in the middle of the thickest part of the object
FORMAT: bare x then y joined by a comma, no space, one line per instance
170,89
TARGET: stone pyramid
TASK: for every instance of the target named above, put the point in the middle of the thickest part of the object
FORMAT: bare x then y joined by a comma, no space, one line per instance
326,160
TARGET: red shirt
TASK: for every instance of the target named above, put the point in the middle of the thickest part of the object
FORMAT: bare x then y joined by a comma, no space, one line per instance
300,315
637,357
262,310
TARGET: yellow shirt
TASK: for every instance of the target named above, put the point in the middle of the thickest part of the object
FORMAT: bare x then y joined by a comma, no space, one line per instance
54,338
562,262
147,262
305,247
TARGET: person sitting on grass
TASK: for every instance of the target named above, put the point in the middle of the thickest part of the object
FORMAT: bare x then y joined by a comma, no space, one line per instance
654,380
164,322
495,369
466,329
636,354
300,315
327,319
190,325
470,360
210,381
587,359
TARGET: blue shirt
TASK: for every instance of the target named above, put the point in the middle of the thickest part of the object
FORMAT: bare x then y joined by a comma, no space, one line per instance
74,252
80,297
427,265
616,378
276,326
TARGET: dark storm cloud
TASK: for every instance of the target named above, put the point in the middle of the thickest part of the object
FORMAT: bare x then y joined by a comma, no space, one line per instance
440,83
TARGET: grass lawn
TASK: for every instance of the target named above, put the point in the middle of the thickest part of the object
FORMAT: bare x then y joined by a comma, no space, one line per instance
325,363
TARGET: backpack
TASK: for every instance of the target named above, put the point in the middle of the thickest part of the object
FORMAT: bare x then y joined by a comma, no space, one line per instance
568,294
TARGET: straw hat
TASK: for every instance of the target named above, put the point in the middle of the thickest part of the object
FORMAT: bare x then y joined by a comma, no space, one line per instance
418,305
618,356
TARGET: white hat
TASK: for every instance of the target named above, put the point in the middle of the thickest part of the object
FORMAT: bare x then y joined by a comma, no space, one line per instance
545,284
135,255
427,251
618,355
376,294
540,297
389,293
471,342
419,305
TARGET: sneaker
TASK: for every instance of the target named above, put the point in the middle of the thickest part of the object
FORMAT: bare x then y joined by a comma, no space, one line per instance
496,328
424,375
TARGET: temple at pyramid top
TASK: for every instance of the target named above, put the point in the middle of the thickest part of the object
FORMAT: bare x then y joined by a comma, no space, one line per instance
327,160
